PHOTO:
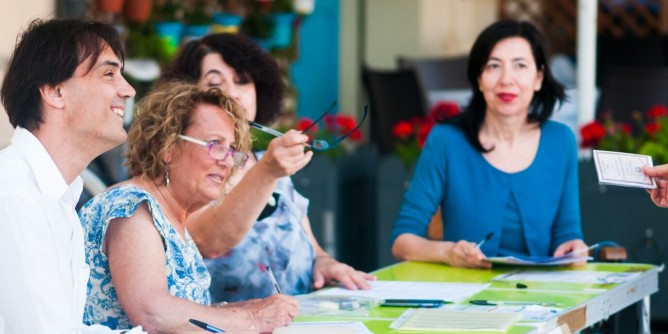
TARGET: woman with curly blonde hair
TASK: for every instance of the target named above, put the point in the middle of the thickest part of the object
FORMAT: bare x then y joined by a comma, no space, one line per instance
184,145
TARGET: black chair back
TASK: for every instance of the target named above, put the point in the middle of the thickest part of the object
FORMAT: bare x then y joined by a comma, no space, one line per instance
438,73
392,96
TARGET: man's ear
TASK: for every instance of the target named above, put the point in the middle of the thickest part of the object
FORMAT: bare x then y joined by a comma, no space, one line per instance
52,96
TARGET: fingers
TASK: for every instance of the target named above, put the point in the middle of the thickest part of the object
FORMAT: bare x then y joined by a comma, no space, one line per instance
660,195
285,155
318,280
577,246
330,270
657,171
275,311
294,138
354,280
466,254
363,280
561,250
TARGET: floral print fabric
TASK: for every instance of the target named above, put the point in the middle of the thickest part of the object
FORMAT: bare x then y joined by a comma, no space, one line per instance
187,276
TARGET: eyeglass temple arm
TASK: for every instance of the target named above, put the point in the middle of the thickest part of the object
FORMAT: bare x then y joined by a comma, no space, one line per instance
265,129
359,124
331,106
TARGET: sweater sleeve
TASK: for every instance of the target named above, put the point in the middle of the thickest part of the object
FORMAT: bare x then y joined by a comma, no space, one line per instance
426,188
568,225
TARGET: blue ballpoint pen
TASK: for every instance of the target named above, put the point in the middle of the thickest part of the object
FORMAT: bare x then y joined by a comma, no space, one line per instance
487,237
204,325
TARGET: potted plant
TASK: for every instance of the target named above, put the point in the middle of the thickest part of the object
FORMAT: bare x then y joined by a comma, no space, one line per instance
651,140
197,19
137,10
110,6
282,18
168,27
410,135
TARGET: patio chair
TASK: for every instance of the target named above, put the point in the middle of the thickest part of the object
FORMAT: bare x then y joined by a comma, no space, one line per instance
392,96
438,73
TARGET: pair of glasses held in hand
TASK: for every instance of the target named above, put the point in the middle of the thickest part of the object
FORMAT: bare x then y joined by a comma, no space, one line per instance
316,144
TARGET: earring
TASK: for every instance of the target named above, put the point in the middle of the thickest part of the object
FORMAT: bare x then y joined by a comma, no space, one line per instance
166,172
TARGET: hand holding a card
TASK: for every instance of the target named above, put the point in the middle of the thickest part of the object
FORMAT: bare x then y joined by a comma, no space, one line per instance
623,169
659,195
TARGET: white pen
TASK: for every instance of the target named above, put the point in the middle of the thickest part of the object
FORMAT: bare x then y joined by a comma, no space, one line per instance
487,237
273,279
582,250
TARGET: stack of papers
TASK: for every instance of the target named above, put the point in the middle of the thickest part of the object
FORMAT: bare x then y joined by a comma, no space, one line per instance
539,260
329,327
459,321
381,290
579,276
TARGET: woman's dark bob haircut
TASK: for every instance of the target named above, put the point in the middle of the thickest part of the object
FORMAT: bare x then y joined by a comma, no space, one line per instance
543,101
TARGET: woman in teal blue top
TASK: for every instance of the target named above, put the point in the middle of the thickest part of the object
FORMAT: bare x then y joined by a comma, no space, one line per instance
500,167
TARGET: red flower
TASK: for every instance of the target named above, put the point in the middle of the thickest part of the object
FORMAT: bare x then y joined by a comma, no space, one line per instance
592,134
402,130
626,128
330,122
356,136
443,110
423,131
652,128
656,111
344,123
304,123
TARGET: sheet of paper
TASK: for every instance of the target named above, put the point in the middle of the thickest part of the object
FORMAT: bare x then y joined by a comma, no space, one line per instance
532,313
328,327
539,260
586,277
623,169
452,292
445,320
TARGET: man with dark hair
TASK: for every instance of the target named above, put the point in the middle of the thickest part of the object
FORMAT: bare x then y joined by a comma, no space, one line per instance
65,95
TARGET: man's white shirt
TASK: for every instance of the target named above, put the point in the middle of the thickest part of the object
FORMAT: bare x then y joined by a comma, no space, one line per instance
43,273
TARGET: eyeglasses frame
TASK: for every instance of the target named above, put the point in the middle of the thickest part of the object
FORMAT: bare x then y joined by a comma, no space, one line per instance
209,145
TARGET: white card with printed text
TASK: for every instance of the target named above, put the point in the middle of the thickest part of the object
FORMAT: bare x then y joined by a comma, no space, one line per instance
623,169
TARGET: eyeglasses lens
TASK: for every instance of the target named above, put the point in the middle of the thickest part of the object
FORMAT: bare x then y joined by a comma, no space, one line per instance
239,158
220,152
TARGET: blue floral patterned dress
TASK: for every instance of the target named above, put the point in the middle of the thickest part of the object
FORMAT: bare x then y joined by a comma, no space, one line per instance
277,240
187,276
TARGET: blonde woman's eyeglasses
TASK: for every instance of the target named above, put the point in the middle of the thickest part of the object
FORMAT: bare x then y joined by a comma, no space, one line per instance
220,152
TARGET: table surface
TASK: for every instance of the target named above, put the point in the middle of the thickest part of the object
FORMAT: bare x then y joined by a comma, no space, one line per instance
584,303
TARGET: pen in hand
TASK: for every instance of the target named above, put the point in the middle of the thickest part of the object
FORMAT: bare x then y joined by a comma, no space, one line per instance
581,250
273,279
487,237
204,325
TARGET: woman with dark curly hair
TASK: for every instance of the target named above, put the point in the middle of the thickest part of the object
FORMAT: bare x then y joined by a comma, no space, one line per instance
264,203
250,63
